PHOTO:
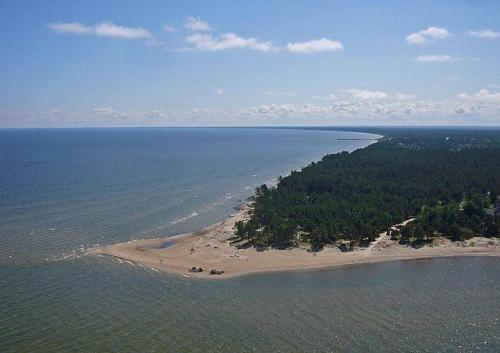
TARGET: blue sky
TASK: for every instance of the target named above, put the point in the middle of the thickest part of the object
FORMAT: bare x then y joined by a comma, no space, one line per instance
206,63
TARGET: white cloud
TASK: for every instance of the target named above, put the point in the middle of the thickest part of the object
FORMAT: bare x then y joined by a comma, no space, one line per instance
431,33
476,108
196,24
481,107
219,92
405,96
108,29
70,27
314,46
356,94
482,95
433,58
103,29
446,109
169,29
103,110
482,103
366,94
156,115
57,111
228,40
107,112
225,41
485,33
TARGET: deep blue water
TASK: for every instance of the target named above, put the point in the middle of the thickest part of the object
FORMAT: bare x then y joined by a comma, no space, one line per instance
64,191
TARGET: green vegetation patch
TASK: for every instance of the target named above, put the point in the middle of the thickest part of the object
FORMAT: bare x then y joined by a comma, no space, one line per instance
447,182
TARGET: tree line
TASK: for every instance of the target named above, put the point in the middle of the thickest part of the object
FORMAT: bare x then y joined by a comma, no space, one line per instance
355,196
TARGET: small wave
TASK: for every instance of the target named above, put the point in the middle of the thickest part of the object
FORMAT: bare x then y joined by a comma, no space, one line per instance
220,201
80,251
67,256
184,219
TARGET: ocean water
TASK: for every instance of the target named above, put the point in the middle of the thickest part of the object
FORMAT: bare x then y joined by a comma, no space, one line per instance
64,191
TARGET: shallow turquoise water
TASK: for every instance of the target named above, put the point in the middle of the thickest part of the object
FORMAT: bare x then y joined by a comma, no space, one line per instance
62,191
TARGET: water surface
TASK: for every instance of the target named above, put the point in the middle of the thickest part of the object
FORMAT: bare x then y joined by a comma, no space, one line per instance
445,305
63,191
66,190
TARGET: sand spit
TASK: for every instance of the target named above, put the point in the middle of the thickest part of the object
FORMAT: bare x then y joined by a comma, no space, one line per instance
211,249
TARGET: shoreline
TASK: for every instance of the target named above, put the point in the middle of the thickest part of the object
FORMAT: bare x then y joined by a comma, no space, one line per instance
210,249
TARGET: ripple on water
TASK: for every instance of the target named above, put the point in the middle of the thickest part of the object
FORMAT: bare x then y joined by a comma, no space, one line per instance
98,304
127,184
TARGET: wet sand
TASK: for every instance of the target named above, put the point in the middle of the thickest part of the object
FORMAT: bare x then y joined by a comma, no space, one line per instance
211,249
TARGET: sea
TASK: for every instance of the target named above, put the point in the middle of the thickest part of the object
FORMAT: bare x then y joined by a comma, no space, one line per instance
65,191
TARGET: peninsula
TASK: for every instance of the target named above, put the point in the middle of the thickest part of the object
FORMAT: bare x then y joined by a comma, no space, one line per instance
212,249
403,198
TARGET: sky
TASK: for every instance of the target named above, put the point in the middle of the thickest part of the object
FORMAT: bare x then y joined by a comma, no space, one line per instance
247,63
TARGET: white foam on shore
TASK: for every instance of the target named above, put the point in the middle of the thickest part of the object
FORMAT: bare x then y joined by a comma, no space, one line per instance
184,219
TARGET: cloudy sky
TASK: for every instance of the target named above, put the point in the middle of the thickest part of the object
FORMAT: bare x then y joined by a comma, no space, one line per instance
217,63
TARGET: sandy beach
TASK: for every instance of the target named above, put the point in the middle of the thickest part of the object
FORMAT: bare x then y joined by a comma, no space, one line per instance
211,249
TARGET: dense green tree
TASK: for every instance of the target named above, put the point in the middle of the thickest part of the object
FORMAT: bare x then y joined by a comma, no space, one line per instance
355,196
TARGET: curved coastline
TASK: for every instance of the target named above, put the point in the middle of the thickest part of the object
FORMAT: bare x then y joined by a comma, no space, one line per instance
211,249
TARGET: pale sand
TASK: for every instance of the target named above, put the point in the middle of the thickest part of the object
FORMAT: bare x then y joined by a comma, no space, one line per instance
210,249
